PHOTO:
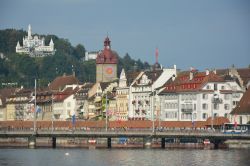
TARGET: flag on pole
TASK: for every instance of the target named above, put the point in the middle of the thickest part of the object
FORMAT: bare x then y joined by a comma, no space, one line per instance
73,120
38,109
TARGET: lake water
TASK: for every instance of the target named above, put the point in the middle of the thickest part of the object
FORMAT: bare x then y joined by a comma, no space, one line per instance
123,157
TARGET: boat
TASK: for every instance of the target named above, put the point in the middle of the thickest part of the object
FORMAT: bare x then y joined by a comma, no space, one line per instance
206,142
92,141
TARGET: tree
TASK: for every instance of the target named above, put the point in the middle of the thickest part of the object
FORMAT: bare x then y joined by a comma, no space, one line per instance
79,52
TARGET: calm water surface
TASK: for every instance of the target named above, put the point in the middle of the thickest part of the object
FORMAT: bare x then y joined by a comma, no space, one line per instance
123,157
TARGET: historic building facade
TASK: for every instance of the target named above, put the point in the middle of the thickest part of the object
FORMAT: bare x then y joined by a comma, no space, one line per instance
122,97
106,63
143,93
195,96
35,46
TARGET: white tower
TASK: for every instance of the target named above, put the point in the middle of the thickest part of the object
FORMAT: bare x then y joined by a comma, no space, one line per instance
51,44
29,32
123,79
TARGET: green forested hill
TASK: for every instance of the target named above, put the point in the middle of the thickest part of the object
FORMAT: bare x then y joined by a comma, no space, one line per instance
22,69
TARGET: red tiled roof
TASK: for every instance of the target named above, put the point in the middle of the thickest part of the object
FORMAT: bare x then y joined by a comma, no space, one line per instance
217,121
131,76
152,75
183,83
60,82
244,74
244,105
107,55
61,96
5,93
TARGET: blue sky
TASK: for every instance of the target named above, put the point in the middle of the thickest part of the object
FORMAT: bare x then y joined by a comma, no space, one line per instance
199,33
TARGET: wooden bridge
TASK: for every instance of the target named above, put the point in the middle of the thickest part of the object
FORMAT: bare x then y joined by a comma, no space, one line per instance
214,137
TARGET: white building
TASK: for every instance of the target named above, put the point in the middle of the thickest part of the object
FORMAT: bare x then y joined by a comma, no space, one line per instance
195,96
65,105
35,46
91,55
142,92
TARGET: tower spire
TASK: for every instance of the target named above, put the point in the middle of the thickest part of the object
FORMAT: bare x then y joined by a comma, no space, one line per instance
156,55
107,43
29,31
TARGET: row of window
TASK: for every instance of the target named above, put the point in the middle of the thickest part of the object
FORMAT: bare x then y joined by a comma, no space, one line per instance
188,97
171,105
170,97
122,92
188,116
188,106
139,89
215,106
171,115
205,115
226,96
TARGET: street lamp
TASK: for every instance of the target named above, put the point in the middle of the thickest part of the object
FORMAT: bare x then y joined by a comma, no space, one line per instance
52,118
106,104
152,109
34,123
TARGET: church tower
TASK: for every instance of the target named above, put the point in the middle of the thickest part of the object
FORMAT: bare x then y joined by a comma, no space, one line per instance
106,63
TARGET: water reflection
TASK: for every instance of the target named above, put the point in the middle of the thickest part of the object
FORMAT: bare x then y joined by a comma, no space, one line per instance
123,157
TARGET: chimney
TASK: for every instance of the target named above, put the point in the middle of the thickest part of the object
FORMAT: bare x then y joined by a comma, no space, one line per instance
214,71
191,75
173,77
207,72
64,74
174,66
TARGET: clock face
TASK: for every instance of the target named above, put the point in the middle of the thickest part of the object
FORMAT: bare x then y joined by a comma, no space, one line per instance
109,70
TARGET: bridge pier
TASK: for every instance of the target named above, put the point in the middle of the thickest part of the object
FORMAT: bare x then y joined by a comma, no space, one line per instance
217,143
109,142
163,143
53,142
32,142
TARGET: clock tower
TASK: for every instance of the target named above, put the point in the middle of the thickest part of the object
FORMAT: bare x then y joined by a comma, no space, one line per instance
106,63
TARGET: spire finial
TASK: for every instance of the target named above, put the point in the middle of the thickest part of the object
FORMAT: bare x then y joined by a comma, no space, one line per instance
107,43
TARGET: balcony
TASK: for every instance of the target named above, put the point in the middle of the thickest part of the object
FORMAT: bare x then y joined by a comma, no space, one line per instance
98,99
186,110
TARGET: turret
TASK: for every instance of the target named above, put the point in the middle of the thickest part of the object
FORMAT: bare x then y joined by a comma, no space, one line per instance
123,79
18,45
29,32
51,43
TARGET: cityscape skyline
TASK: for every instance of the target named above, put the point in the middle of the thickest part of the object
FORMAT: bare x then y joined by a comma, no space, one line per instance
202,34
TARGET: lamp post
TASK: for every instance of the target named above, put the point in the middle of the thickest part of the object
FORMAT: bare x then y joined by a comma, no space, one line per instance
35,111
152,110
106,103
52,118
